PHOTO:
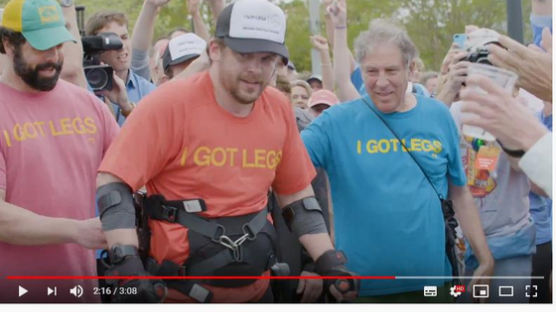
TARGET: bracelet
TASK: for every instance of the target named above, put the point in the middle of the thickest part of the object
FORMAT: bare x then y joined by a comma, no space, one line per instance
341,27
513,153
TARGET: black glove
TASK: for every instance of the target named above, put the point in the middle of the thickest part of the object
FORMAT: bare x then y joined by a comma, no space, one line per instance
132,290
331,263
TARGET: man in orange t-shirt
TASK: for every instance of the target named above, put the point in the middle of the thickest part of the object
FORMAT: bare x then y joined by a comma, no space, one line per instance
208,149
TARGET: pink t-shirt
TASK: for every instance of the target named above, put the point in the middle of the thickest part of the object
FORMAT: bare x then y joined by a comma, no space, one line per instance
51,144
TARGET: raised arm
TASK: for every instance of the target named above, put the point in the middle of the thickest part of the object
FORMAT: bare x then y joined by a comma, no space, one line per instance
216,6
72,70
199,25
321,44
142,37
342,64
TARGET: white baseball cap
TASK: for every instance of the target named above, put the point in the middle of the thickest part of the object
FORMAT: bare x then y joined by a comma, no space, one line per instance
250,26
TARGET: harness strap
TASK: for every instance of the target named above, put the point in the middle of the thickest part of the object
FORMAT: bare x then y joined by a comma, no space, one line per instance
190,288
180,212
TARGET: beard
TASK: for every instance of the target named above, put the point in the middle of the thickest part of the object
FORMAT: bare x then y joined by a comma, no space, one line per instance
32,77
245,96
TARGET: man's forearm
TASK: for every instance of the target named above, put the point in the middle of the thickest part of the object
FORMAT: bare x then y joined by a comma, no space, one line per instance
316,244
470,222
144,27
327,72
329,25
19,226
72,70
117,236
199,26
446,96
216,6
346,91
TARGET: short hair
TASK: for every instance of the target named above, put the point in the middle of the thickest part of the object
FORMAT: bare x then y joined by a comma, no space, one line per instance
14,38
383,31
428,75
303,84
101,19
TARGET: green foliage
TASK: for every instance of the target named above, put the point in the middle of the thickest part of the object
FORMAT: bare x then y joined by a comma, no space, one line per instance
430,23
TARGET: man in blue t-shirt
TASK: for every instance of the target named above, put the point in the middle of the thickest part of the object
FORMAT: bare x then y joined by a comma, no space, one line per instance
387,216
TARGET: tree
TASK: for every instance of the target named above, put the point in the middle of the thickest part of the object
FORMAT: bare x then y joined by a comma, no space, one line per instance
430,23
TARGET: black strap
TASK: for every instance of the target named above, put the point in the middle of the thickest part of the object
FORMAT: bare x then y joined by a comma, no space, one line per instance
512,153
450,223
176,211
405,147
190,288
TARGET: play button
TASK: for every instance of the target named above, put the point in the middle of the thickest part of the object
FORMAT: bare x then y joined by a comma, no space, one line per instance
22,291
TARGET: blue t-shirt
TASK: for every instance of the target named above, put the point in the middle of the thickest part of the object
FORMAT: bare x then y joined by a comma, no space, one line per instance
541,207
387,217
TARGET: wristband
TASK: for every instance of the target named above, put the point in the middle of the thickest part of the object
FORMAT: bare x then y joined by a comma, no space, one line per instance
513,153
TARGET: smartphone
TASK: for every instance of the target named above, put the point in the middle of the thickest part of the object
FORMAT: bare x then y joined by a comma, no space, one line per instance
459,39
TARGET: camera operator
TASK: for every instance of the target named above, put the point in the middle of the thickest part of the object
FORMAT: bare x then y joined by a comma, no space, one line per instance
128,88
54,137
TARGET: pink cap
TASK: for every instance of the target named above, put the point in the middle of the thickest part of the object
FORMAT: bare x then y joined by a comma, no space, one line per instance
323,97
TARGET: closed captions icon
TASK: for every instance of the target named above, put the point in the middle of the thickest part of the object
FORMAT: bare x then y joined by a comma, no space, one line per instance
430,291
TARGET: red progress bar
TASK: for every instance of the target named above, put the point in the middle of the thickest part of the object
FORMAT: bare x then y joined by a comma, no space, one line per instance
264,277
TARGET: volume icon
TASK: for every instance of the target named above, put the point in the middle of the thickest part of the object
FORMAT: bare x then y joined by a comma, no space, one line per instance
77,291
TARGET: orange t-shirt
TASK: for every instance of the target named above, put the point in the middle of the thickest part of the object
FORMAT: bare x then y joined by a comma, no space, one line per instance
180,143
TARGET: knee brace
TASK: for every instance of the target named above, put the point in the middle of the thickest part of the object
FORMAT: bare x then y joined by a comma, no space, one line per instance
304,216
115,205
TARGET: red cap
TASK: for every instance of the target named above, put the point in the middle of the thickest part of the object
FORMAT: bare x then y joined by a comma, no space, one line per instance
323,97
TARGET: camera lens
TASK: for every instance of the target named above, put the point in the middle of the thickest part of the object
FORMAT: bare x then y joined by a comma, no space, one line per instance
484,60
97,78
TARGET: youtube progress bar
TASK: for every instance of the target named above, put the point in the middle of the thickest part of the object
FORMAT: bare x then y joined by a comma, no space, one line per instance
263,277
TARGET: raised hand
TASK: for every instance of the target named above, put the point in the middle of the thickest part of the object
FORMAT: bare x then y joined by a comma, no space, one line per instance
319,43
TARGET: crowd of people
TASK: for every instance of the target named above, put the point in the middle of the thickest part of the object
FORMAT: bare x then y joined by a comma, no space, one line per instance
210,155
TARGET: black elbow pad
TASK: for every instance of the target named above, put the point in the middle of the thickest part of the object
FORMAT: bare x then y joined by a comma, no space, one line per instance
115,206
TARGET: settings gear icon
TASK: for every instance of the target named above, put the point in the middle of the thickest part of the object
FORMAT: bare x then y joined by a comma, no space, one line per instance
455,293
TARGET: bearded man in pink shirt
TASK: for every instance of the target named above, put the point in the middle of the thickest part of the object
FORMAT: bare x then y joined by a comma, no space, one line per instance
53,136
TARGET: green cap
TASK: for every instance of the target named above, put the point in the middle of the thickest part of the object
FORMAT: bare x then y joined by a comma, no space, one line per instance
41,22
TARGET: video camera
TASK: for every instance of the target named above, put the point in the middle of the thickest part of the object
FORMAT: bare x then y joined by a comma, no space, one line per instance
99,76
